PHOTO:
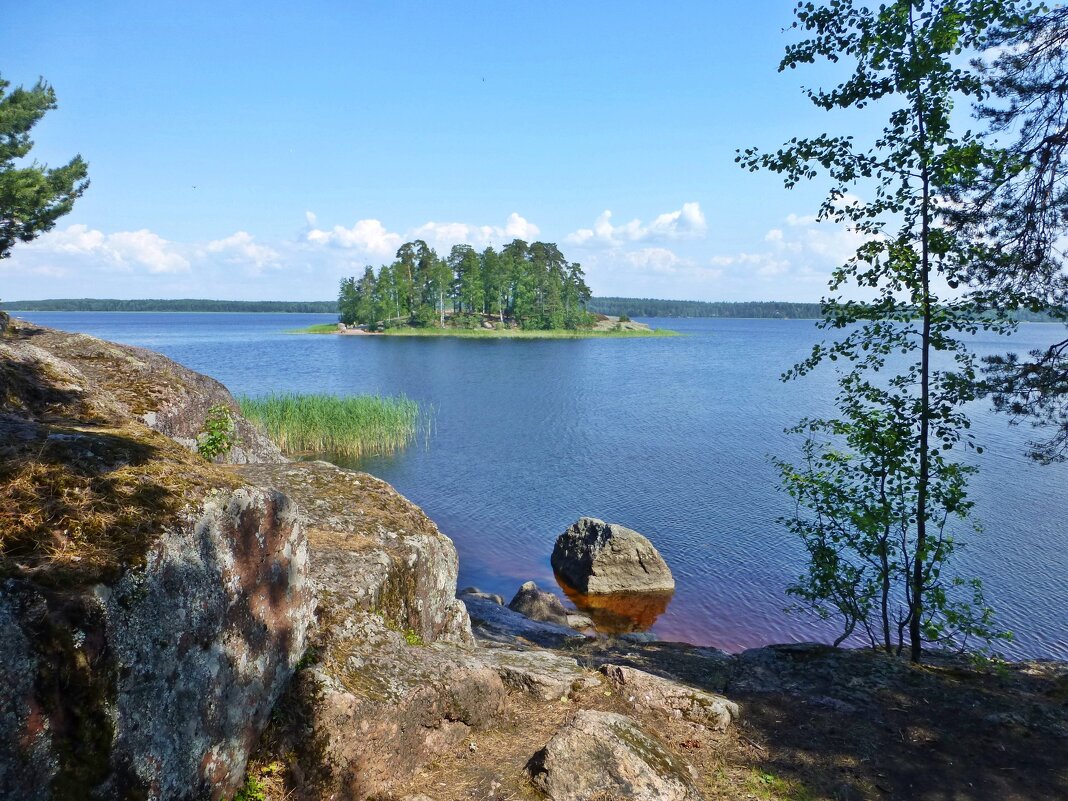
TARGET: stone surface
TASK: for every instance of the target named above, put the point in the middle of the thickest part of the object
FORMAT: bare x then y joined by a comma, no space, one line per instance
605,755
146,386
377,707
160,682
152,605
542,674
374,549
597,557
492,622
537,604
577,620
475,592
644,691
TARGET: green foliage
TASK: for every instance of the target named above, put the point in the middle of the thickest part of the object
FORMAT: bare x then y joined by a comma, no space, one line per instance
308,658
354,426
411,636
32,196
1021,206
879,500
218,435
624,318
533,285
252,791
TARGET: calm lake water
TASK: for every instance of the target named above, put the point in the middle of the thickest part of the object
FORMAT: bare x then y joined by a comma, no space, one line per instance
671,437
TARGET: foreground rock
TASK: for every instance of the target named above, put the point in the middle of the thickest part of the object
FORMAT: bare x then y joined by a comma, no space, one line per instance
377,707
644,691
537,604
545,675
605,755
152,606
390,688
597,557
374,550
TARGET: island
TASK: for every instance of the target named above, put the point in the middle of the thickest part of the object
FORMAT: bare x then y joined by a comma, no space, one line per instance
525,290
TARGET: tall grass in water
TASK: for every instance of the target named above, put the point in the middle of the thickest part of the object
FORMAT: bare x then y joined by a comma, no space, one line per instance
352,426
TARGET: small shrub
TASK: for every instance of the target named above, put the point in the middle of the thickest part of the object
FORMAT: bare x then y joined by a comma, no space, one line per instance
624,318
218,435
411,636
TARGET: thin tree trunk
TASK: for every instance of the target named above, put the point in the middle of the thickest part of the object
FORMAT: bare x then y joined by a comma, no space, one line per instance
915,634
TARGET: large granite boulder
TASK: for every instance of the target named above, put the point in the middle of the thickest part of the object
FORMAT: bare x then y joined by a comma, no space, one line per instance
605,755
376,707
374,550
142,385
538,605
394,683
597,557
152,605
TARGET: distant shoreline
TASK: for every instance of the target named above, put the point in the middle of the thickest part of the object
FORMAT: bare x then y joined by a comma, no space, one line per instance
495,333
632,307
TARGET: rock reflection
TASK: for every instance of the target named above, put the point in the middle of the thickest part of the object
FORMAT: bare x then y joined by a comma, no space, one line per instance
619,613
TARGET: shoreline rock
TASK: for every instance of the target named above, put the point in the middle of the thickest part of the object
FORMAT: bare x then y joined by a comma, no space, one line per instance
595,557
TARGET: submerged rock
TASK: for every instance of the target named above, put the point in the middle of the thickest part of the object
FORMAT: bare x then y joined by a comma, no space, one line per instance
605,755
597,557
538,605
495,623
475,592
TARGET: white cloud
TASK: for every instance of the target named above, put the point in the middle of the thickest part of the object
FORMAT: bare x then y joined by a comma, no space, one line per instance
369,236
657,260
124,250
239,248
685,223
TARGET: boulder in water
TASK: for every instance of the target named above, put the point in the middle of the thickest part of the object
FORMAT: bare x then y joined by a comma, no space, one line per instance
598,557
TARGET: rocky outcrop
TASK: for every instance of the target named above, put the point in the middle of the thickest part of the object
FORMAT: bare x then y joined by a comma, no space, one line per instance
388,677
537,604
152,606
597,557
374,550
377,706
156,683
139,384
644,691
546,675
492,622
605,755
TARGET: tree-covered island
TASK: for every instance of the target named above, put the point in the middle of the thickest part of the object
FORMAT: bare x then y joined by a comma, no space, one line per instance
521,288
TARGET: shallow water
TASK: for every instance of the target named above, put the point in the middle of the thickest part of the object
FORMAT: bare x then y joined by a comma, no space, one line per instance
671,437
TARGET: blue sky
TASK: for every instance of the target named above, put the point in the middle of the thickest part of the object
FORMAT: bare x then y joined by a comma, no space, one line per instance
265,150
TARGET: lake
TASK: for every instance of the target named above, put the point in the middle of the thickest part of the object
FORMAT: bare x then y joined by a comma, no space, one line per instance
669,436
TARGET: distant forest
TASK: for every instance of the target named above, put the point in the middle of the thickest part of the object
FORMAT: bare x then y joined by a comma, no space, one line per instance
651,307
185,305
632,307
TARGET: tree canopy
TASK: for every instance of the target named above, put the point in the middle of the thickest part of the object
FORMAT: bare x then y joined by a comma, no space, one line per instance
1021,205
531,285
32,196
880,500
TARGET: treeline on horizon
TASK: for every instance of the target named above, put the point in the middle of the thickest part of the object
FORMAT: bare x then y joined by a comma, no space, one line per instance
632,307
652,307
530,285
168,305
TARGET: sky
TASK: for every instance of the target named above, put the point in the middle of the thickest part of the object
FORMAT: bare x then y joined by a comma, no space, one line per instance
264,151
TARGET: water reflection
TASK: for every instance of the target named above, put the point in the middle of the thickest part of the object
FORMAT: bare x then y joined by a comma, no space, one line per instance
619,613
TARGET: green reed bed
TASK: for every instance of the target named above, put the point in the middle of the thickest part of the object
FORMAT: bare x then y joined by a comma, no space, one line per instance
352,426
